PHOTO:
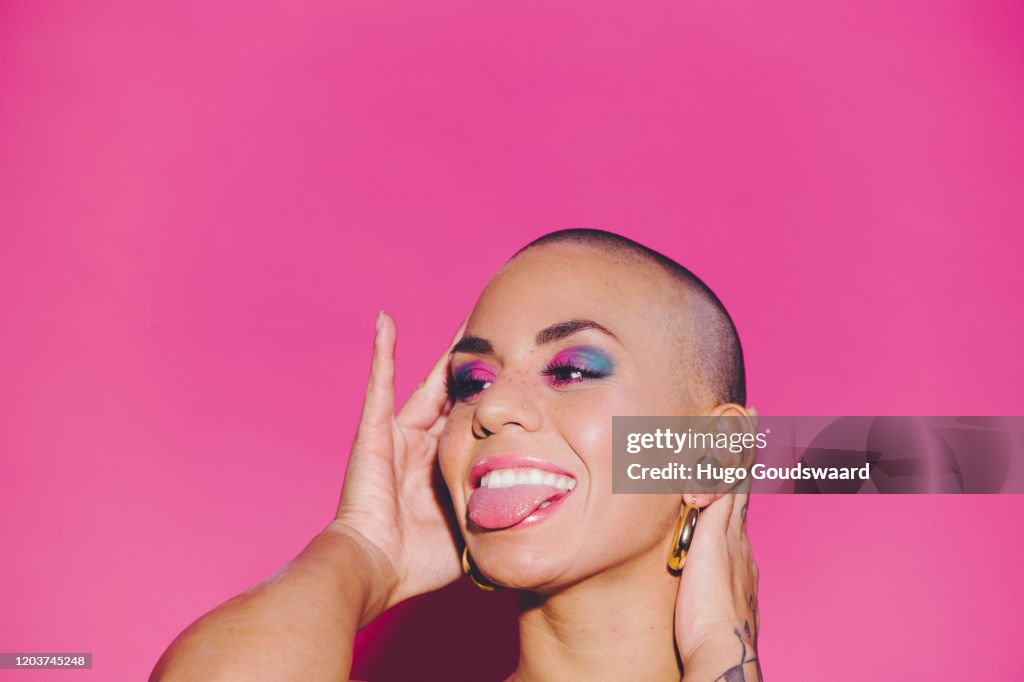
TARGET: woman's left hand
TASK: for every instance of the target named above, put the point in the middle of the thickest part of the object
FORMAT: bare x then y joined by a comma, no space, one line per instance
716,619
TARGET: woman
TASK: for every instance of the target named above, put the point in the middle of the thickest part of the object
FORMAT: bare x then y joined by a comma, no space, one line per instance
517,414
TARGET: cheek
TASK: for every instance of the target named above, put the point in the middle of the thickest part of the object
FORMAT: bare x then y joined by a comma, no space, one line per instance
454,447
585,422
639,521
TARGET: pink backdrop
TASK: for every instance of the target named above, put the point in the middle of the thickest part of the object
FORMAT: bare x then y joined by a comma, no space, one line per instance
203,205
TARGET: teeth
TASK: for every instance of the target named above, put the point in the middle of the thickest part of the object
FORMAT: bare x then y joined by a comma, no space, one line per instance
506,478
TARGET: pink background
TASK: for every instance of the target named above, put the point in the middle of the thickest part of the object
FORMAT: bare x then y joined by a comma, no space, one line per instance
203,205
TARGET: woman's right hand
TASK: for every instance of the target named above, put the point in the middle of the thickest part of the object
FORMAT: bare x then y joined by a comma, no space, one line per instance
390,540
394,504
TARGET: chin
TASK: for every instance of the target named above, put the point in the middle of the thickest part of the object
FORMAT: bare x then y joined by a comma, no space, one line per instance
521,568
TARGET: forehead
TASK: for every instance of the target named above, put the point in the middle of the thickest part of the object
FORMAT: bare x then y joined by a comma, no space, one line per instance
558,282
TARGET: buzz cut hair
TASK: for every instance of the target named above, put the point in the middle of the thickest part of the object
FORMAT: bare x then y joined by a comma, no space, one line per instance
715,351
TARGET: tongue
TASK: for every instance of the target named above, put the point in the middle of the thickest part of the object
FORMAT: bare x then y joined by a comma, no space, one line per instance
496,508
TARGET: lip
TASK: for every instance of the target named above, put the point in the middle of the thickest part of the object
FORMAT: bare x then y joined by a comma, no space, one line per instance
511,461
542,514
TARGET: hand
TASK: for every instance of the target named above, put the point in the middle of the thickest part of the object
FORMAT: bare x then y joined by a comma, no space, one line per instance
716,619
393,504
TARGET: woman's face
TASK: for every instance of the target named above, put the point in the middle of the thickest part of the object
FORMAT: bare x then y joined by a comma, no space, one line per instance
561,340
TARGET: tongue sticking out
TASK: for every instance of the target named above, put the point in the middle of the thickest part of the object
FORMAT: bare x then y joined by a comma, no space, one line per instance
496,508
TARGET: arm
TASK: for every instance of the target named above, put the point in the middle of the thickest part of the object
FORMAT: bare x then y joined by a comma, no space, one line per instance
716,610
300,623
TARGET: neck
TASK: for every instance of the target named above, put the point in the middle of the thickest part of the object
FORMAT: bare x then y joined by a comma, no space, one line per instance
618,625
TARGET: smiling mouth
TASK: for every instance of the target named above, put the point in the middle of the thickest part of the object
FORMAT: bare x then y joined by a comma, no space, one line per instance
506,497
506,478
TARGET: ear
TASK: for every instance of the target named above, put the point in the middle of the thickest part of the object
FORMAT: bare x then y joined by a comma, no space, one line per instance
735,446
736,421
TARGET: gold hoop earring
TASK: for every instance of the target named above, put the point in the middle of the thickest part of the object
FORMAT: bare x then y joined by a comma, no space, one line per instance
683,535
470,569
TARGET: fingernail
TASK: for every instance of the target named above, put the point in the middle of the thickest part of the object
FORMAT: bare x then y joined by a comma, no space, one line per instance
380,318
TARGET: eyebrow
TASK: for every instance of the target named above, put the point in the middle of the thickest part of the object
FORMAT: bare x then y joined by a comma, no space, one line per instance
555,332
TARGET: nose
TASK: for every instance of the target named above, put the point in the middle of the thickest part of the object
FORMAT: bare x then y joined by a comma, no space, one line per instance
508,401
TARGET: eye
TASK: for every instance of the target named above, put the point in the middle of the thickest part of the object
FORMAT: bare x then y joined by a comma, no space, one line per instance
565,373
579,364
468,381
570,373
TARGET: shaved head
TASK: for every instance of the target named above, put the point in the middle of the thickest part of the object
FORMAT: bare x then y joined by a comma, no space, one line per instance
709,346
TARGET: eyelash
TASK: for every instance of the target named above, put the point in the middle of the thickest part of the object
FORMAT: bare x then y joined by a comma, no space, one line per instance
462,389
585,371
458,390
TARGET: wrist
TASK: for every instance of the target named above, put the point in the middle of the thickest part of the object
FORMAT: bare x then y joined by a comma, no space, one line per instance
725,653
366,577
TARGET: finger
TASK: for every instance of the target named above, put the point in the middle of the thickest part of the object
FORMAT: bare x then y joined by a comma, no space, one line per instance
752,618
713,521
438,427
738,518
379,405
756,610
425,404
744,514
